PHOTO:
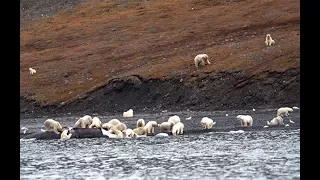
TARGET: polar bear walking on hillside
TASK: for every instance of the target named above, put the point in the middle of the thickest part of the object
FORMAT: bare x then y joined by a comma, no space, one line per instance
201,59
269,41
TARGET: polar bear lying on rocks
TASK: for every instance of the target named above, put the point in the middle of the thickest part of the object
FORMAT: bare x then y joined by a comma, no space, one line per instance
276,121
128,113
52,125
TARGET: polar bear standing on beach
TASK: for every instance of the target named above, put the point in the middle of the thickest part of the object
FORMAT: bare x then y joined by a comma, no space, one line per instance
284,111
52,125
96,123
269,41
201,59
166,127
140,123
177,129
245,120
150,126
174,119
206,123
83,122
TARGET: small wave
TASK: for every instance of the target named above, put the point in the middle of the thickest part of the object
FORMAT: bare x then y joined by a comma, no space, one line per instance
238,131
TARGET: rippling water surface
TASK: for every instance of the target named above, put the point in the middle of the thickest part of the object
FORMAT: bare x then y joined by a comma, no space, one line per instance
273,154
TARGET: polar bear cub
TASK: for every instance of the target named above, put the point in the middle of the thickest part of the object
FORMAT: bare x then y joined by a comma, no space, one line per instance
150,126
201,59
269,41
206,123
83,122
284,111
96,123
177,129
245,120
52,125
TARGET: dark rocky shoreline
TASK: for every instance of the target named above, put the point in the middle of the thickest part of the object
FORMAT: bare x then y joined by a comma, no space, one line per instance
225,91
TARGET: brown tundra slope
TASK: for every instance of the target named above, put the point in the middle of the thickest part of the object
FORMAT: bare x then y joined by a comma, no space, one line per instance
109,56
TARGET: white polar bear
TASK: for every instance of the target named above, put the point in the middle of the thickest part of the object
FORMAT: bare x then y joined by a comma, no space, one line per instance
117,132
140,131
284,111
150,126
174,119
96,123
177,129
52,125
65,135
32,71
140,123
129,133
107,126
276,121
201,59
114,121
166,127
206,123
245,120
83,122
128,113
269,41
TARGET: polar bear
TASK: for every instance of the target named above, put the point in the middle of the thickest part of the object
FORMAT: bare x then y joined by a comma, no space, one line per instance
206,123
174,119
245,120
141,131
32,71
96,123
166,127
201,59
121,126
150,126
128,113
129,133
65,134
114,121
107,126
83,122
177,129
284,111
269,41
52,125
276,121
118,133
140,123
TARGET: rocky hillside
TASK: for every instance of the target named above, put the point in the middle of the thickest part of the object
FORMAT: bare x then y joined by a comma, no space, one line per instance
109,56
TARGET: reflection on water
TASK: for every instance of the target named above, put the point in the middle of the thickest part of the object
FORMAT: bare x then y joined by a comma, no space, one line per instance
215,155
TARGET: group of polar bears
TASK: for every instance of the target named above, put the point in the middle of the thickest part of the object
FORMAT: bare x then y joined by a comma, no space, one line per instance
114,128
246,120
203,59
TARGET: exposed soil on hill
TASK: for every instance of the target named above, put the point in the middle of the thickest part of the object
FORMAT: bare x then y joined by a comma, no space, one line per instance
109,56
